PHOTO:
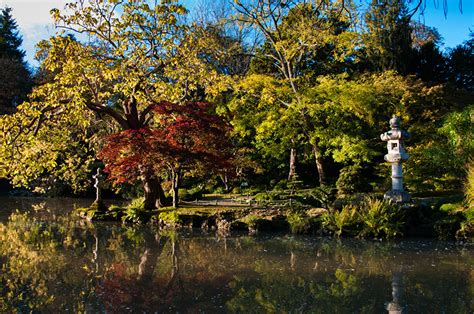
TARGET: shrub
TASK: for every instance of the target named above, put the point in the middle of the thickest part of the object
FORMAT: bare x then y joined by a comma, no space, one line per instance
465,226
183,194
267,196
251,220
466,231
282,185
219,190
447,226
380,218
195,193
236,190
115,212
351,180
370,218
342,222
299,222
294,184
324,195
459,221
135,211
170,218
263,196
450,207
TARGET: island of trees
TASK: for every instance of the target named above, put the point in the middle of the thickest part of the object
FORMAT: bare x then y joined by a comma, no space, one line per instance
275,102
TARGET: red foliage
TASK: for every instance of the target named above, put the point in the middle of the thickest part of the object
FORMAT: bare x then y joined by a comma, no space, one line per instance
185,136
120,292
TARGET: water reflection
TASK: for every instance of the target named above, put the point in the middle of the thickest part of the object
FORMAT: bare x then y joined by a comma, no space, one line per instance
394,307
57,263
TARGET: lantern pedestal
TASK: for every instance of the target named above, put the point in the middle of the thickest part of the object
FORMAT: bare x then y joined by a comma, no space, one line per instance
397,196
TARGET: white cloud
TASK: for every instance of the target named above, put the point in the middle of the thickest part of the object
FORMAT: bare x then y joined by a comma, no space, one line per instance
31,12
34,20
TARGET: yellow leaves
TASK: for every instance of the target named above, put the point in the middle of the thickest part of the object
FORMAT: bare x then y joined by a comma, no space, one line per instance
135,49
55,15
38,136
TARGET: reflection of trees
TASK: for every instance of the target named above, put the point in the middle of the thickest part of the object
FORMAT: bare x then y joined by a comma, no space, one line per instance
34,255
287,292
71,265
142,289
354,277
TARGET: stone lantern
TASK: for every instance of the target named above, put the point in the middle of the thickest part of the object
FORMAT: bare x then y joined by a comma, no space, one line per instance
98,185
396,154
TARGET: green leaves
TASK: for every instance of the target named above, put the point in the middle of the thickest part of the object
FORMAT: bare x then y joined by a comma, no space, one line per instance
371,218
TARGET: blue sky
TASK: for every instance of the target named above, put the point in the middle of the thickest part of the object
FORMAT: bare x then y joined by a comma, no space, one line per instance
455,26
35,23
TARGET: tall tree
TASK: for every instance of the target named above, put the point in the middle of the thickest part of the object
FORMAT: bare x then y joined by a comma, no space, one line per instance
10,39
388,37
298,34
138,54
428,61
461,64
230,43
15,80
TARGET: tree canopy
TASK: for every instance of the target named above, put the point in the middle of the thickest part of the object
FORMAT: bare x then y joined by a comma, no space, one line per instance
303,88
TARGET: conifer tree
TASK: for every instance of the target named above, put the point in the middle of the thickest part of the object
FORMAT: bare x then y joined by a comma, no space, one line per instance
388,38
461,65
10,38
15,81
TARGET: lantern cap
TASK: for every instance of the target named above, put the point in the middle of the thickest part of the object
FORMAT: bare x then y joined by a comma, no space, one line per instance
395,122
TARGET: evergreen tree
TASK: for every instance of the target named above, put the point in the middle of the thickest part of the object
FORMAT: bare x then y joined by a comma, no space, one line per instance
429,62
10,39
461,64
15,81
388,38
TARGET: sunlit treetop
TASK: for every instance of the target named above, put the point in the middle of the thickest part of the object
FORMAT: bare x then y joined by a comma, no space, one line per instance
138,53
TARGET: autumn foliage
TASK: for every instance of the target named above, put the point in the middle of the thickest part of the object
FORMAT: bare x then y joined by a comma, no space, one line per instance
188,137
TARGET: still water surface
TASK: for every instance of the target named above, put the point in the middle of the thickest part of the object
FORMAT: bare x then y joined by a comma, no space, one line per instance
52,262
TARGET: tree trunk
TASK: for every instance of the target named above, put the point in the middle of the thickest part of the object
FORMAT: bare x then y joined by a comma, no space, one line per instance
319,165
225,180
154,246
292,172
176,178
154,195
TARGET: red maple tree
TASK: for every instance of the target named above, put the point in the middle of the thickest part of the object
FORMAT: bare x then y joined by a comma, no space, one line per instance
183,137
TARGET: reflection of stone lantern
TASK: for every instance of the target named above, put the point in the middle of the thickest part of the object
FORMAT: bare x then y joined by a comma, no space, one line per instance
396,154
394,307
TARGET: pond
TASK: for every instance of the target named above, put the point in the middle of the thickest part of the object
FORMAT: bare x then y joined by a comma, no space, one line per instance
52,261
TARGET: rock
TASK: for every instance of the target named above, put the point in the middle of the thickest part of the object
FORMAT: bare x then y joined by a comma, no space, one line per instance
280,223
316,212
223,225
97,211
